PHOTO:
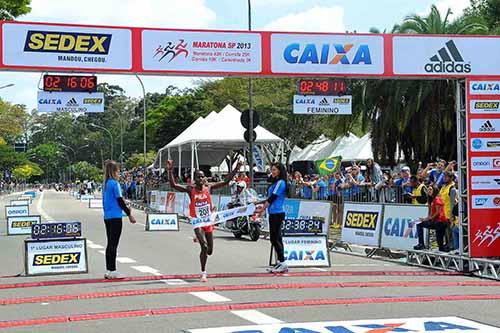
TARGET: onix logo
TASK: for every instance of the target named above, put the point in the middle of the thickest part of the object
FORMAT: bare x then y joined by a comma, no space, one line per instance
327,54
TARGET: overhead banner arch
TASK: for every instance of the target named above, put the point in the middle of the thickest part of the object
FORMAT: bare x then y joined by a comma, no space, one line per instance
34,46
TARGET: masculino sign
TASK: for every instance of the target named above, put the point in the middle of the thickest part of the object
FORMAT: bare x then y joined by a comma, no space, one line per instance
37,46
341,105
445,55
398,231
416,325
11,211
56,256
70,102
162,222
327,54
21,225
361,224
306,251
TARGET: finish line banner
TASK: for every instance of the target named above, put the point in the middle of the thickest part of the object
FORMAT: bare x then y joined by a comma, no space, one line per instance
222,216
416,325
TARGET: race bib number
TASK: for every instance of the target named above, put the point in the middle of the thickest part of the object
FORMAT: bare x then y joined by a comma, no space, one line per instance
203,212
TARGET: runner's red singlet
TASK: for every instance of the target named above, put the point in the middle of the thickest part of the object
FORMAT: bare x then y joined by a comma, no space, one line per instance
201,205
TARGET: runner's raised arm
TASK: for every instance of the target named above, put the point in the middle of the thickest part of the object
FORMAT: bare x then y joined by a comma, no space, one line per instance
180,188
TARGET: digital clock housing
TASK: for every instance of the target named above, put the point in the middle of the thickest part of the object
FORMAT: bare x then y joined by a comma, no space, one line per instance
69,83
322,87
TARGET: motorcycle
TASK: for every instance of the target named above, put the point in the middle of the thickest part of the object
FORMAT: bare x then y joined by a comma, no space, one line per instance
246,225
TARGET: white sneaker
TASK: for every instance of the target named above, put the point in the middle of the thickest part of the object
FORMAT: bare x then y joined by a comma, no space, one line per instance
112,275
204,277
271,269
281,268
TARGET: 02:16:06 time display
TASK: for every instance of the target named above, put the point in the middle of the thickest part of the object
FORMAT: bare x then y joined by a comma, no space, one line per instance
70,83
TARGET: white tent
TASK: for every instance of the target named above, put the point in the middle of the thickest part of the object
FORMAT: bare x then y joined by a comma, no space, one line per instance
360,150
336,147
208,140
312,149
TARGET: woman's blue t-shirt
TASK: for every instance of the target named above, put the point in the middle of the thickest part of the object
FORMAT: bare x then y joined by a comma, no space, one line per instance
278,188
110,200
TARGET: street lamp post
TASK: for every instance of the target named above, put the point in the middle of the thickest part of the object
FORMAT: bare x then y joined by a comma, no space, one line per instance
250,109
74,155
144,116
7,85
107,131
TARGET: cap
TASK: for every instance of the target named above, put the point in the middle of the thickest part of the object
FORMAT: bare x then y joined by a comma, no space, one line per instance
405,168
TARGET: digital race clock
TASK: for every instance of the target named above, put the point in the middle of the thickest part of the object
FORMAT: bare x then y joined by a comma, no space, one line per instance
306,226
56,230
322,87
71,83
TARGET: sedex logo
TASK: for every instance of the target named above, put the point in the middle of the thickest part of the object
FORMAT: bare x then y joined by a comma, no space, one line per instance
448,60
327,54
67,42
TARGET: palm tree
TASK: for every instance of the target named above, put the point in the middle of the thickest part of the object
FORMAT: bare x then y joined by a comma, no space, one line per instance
416,117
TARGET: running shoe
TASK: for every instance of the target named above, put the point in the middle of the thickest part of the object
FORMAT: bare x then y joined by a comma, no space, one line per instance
203,277
112,275
281,268
271,269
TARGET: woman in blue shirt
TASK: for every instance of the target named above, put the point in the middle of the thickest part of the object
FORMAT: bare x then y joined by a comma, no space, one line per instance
114,206
274,204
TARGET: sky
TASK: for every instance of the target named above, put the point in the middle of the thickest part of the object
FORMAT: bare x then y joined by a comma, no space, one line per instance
273,15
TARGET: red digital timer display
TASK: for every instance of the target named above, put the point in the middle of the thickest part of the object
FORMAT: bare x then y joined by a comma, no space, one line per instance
322,87
72,83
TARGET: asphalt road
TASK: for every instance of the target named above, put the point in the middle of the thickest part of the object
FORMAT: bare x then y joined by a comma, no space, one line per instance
162,292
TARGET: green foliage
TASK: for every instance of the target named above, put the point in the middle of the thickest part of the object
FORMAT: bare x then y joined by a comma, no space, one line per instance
9,158
10,9
12,120
26,171
137,159
83,170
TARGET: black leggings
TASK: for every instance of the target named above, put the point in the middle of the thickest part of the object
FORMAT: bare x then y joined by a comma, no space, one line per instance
275,222
113,232
440,228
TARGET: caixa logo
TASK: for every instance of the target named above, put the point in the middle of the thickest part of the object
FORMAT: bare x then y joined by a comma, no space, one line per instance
305,255
327,54
163,221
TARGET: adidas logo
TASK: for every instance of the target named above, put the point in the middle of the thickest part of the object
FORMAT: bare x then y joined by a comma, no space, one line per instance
72,102
487,127
324,102
448,60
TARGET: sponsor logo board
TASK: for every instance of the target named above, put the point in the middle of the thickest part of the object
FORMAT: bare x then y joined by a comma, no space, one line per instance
484,87
23,202
86,197
485,182
341,105
398,231
484,106
416,325
56,256
95,203
443,56
486,201
162,222
485,144
485,126
201,51
21,225
33,45
11,211
485,163
361,224
327,54
72,102
306,251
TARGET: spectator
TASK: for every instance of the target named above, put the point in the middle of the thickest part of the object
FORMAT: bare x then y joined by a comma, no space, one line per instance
404,185
321,187
436,175
335,184
355,179
307,192
376,178
436,220
419,194
448,193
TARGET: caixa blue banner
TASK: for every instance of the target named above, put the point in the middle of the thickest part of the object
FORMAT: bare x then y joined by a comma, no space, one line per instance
398,231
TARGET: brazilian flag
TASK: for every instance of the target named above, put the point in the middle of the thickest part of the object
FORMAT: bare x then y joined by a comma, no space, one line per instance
328,165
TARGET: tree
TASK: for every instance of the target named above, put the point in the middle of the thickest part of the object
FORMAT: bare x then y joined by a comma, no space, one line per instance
48,155
12,119
85,171
10,9
26,171
487,12
137,159
9,158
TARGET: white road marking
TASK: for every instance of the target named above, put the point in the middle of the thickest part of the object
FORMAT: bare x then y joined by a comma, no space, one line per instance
146,269
211,297
256,317
319,269
174,282
40,209
125,260
94,246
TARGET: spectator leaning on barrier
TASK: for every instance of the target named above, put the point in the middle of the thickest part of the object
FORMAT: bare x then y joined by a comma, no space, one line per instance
448,193
404,183
436,220
374,173
435,171
307,192
355,180
322,189
419,194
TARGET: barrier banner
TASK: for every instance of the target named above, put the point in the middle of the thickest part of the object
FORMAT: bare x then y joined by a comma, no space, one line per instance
23,202
31,193
95,203
26,197
162,201
361,224
162,222
56,256
416,325
152,200
222,216
170,202
398,232
11,211
21,225
86,197
306,251
179,202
